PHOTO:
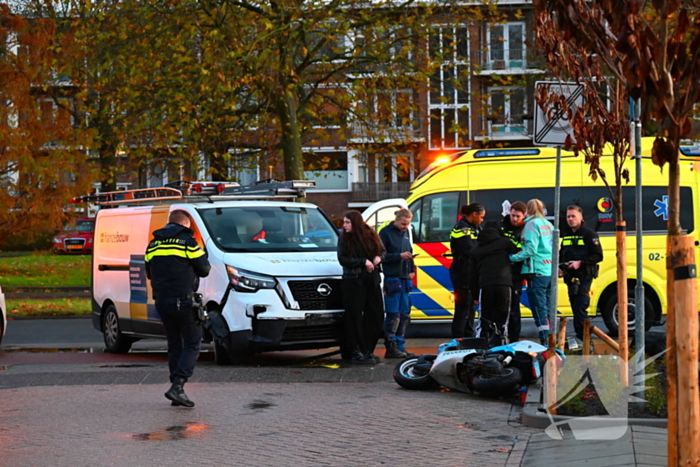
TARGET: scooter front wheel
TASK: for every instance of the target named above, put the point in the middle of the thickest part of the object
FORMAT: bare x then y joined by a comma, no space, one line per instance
413,372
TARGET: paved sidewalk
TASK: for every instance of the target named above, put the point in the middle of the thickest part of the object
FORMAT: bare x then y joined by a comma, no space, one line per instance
640,446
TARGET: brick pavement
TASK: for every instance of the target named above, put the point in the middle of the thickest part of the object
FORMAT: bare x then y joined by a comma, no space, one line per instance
256,424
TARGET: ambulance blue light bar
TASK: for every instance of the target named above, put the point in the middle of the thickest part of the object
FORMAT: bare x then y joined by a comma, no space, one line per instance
691,151
506,153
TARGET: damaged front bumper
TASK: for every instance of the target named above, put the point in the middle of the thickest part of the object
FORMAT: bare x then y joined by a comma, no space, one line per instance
315,331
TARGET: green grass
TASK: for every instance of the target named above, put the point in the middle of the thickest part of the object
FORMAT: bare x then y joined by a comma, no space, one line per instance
53,307
44,269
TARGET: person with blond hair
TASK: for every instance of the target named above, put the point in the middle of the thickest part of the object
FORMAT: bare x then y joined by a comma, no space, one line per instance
536,256
399,271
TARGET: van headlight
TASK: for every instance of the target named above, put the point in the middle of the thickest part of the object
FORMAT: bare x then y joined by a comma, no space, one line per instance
246,281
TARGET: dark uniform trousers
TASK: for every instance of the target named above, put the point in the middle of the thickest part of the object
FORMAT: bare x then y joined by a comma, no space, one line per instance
463,320
579,289
184,335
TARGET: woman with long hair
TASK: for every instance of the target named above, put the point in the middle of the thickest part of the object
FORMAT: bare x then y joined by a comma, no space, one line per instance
536,255
360,252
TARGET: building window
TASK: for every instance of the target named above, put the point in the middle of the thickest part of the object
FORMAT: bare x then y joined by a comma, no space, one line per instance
397,168
328,168
507,108
449,88
506,46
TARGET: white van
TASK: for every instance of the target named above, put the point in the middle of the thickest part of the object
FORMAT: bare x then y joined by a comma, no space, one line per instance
274,282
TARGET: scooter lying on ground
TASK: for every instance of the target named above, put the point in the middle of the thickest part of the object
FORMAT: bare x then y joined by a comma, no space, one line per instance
469,365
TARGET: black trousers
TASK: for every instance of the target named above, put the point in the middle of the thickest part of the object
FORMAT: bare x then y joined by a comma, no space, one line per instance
364,313
184,335
495,308
580,299
515,320
463,320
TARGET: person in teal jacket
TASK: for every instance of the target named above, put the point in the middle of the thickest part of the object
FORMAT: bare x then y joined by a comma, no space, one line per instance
536,255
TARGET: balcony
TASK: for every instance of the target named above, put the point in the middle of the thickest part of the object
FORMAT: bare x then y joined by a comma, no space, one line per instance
509,61
514,127
383,133
368,191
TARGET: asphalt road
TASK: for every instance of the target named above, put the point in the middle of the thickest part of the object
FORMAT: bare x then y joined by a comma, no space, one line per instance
79,332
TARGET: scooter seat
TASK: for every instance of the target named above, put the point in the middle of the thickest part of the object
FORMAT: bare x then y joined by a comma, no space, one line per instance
476,343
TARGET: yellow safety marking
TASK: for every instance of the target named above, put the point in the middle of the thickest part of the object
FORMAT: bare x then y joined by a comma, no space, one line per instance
138,311
424,258
442,297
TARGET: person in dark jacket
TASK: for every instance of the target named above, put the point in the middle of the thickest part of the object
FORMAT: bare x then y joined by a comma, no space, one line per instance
491,278
462,240
581,252
512,228
360,253
174,264
399,271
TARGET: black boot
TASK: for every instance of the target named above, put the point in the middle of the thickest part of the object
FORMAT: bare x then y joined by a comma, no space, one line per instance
358,358
176,393
392,351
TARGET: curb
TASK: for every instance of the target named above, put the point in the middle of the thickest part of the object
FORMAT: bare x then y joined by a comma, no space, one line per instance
533,417
31,318
45,296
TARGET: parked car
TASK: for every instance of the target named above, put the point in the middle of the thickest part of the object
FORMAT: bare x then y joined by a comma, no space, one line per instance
3,316
75,238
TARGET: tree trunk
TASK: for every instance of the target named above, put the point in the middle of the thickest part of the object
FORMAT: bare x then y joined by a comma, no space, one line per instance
218,166
684,344
108,167
291,138
622,300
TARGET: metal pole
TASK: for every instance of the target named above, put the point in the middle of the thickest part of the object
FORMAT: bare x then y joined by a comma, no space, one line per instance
555,247
639,318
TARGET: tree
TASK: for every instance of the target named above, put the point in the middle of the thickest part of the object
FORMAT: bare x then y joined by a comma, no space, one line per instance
599,120
289,70
43,164
97,46
659,46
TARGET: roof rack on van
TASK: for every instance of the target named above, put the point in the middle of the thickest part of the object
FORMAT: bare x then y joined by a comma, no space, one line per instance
187,191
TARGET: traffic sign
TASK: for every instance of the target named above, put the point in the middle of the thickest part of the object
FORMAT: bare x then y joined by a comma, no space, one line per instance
553,129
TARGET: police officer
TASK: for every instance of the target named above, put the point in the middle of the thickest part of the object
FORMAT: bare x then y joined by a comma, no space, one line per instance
580,254
462,239
174,264
512,228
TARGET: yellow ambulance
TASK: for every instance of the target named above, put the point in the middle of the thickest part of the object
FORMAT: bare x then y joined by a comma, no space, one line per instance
498,177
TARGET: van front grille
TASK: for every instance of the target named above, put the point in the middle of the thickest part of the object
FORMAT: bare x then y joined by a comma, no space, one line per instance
319,294
321,333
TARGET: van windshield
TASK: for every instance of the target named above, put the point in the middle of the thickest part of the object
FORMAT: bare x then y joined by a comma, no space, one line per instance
269,229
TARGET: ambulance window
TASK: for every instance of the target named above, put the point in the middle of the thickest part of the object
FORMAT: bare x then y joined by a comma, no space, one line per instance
438,216
415,208
382,216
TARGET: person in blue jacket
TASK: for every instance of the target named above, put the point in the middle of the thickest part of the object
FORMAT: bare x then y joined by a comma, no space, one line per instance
399,271
536,255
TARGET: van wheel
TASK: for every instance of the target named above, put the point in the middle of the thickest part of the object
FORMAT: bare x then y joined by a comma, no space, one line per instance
115,341
221,356
612,322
